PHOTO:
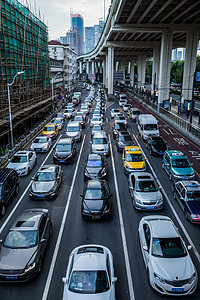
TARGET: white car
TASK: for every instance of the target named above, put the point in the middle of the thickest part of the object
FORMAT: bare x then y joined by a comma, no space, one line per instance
126,107
23,162
69,113
59,122
115,112
170,269
96,121
41,144
90,274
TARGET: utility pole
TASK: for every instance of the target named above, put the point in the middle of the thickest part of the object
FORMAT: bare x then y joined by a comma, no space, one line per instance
154,88
192,102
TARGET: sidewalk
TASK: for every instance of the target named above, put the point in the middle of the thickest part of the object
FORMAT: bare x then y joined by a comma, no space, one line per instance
195,119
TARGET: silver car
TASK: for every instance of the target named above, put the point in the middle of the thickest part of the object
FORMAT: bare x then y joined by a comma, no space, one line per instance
90,274
170,269
23,162
23,249
41,144
74,130
100,144
144,191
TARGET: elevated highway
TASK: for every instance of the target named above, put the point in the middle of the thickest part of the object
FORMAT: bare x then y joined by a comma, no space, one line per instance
136,30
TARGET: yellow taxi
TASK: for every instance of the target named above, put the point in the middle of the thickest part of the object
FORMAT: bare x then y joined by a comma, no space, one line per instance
133,159
51,130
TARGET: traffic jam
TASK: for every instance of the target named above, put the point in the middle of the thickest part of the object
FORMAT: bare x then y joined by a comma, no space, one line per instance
104,203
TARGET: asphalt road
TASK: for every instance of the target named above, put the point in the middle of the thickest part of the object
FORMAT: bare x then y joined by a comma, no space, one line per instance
120,234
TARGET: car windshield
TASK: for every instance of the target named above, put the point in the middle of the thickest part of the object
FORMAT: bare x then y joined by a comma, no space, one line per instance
97,141
150,127
126,138
131,157
192,196
63,148
78,118
94,163
72,128
19,159
96,128
21,239
96,119
120,118
180,163
57,121
168,247
157,141
146,186
95,194
44,176
120,126
89,282
49,128
40,140
68,110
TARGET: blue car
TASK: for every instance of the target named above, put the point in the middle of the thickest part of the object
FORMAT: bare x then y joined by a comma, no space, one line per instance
187,193
177,166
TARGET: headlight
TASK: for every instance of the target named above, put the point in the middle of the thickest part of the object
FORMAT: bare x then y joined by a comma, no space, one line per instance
32,148
192,278
45,147
22,169
195,216
159,278
121,143
160,200
103,172
138,201
30,267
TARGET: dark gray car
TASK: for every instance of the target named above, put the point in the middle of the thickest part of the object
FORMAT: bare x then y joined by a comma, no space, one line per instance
24,246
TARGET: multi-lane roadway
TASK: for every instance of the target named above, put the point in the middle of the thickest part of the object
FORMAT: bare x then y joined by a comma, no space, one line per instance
119,234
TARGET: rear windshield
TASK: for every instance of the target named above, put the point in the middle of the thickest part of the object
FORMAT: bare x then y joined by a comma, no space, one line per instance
150,127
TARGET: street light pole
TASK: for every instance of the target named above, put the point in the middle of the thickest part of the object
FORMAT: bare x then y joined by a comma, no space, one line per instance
52,81
9,106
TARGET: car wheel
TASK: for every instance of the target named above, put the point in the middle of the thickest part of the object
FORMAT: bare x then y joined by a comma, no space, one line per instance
150,151
186,214
35,162
174,195
28,171
163,167
148,277
3,210
50,229
170,177
17,189
39,268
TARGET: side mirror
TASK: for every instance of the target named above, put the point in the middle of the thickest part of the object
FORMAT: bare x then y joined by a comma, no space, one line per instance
1,241
64,280
81,195
43,240
189,247
32,178
114,279
90,142
145,248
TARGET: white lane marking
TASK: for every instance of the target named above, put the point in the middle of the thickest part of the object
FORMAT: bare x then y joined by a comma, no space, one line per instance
53,262
22,196
88,121
109,105
172,208
123,235
106,120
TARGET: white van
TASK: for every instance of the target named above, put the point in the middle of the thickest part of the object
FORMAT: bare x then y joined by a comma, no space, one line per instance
147,126
122,99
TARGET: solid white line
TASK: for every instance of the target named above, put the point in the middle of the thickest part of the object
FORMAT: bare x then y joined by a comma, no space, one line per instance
22,196
172,208
123,235
52,266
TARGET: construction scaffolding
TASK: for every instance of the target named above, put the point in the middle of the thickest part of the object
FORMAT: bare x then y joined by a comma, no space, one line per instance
23,47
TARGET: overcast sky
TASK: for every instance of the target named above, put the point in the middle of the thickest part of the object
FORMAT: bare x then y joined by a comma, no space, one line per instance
57,13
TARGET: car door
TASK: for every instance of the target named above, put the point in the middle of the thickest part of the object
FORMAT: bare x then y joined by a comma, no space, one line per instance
43,231
31,160
132,185
167,163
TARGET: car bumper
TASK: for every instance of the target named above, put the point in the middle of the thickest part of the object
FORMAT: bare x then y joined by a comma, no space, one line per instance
17,277
180,178
129,171
22,173
41,196
100,152
149,207
96,216
40,150
63,161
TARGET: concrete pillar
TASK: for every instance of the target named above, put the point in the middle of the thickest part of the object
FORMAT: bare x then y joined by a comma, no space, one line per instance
122,67
129,68
141,70
106,85
80,67
155,67
100,67
132,74
93,80
110,71
165,67
104,72
190,65
87,67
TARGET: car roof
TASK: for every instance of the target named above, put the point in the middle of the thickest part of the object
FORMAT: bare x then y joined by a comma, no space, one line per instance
47,168
93,184
142,175
176,154
4,173
162,226
32,218
95,156
99,134
22,153
133,149
90,261
191,185
72,123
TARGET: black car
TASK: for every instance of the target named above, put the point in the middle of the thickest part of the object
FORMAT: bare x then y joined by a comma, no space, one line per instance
95,167
9,186
46,182
187,193
23,248
96,202
64,151
123,139
156,145
118,127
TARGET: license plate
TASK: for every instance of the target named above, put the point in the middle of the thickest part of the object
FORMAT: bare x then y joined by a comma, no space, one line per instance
38,149
40,196
11,277
96,217
177,290
185,178
150,207
62,161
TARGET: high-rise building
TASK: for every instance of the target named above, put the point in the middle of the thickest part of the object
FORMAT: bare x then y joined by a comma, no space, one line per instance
77,21
74,39
89,39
